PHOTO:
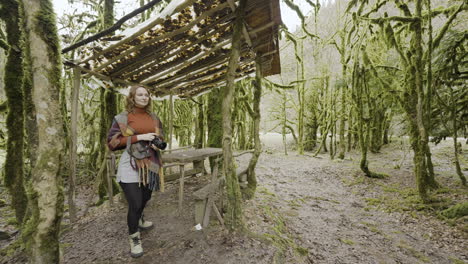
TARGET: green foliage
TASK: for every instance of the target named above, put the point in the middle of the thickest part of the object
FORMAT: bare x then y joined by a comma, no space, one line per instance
456,211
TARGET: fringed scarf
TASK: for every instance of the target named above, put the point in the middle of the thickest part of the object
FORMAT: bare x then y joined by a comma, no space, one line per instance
142,157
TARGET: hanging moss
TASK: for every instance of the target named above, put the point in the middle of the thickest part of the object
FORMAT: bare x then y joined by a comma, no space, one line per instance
9,12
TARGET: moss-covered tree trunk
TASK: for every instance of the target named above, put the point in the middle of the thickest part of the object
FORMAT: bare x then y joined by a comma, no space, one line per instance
45,190
9,12
453,113
108,109
249,192
361,102
214,118
234,216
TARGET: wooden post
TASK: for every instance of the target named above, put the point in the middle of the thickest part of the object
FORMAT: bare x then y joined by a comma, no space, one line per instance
181,186
110,191
73,143
234,206
171,120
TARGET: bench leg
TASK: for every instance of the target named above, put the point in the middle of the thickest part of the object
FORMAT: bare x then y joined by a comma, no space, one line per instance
181,186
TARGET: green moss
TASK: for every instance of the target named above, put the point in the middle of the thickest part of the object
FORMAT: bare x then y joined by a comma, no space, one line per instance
403,245
280,236
372,227
265,191
456,211
347,241
12,221
14,122
456,260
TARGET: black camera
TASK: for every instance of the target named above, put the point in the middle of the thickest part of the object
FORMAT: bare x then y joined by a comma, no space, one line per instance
159,143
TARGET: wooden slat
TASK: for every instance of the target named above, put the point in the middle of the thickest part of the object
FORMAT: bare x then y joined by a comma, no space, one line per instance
105,77
158,57
168,35
187,62
142,30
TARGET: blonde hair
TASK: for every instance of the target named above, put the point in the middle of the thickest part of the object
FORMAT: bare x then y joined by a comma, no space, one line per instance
131,99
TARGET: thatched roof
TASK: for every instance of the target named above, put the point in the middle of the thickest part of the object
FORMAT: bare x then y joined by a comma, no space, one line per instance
185,50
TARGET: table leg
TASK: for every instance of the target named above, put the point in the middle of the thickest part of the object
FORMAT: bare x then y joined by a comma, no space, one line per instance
210,199
181,186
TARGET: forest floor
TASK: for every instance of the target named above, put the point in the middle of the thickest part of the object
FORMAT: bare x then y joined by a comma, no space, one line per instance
306,210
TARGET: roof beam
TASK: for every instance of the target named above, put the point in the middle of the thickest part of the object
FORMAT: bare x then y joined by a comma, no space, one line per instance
142,30
104,77
188,62
126,72
168,35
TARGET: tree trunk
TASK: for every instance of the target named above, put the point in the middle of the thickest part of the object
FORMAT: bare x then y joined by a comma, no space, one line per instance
455,137
234,206
45,193
13,79
249,192
215,132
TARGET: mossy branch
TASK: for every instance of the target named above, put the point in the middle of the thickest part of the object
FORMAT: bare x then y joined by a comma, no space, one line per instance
4,45
380,20
301,16
403,7
113,28
3,107
375,9
277,85
447,24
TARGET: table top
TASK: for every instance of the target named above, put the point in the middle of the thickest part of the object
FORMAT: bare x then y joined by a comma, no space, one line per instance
191,154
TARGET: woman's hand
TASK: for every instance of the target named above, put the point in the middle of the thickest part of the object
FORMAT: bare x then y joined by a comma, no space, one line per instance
146,137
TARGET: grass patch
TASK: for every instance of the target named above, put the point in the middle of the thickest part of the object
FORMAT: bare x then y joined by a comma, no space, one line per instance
265,191
347,241
456,261
352,182
280,236
456,211
372,227
413,251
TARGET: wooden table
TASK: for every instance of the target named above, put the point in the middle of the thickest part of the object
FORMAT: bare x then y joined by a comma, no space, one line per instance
183,157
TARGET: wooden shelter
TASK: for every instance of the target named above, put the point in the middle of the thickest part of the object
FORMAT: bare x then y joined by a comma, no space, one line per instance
185,50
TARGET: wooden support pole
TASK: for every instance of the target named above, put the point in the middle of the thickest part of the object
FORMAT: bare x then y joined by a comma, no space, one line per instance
171,119
73,143
181,186
234,197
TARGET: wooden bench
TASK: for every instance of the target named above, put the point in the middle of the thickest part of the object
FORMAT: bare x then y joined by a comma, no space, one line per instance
206,196
243,168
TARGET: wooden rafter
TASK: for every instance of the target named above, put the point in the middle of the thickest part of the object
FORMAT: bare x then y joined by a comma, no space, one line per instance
140,31
168,35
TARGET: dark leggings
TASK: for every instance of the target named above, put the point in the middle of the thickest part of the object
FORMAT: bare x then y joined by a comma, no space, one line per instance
137,197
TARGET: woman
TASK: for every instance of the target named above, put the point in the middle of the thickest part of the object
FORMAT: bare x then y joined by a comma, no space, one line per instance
138,170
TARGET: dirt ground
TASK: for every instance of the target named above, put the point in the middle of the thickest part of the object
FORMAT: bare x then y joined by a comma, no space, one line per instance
306,210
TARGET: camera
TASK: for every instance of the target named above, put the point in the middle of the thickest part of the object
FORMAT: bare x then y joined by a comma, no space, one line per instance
159,143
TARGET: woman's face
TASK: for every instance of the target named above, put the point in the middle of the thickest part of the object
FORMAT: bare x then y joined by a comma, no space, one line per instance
141,97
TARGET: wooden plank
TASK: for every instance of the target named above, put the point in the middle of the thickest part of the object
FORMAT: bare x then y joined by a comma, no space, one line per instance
187,62
191,155
199,56
175,176
105,77
157,57
142,30
181,186
168,35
